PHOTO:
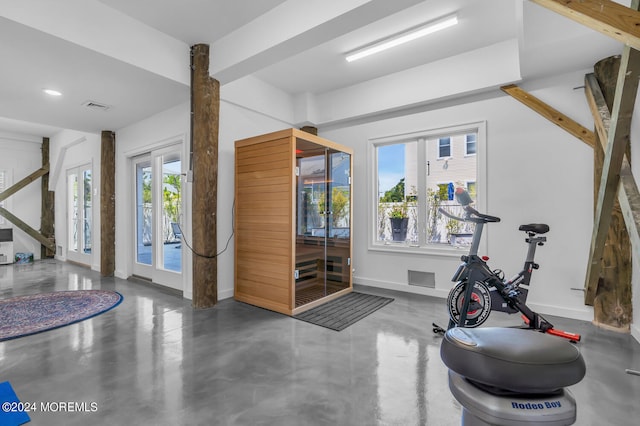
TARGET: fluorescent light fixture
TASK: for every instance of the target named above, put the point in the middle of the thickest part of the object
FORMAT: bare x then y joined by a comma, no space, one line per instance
52,92
405,37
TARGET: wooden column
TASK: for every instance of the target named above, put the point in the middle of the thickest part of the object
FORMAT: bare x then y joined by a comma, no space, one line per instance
47,212
108,204
617,143
612,300
205,117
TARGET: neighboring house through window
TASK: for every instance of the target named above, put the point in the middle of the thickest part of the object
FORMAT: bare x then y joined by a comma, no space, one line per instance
415,175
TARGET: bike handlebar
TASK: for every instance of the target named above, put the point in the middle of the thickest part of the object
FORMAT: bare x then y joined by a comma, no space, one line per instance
472,215
449,215
479,217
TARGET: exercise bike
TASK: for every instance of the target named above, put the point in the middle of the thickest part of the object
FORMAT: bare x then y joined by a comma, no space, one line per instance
479,290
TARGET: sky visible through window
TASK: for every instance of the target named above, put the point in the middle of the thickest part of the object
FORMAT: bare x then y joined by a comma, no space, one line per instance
390,166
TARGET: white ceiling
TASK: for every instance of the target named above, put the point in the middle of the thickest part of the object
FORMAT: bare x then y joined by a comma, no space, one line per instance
307,56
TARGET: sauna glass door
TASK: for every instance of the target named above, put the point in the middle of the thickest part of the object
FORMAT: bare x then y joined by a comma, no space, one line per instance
322,222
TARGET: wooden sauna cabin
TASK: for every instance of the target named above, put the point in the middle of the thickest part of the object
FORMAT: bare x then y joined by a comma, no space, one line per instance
292,221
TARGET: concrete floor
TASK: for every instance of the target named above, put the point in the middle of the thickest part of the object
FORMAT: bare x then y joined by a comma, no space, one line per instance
153,360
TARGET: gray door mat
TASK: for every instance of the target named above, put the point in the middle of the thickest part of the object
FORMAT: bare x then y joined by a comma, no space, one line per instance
344,311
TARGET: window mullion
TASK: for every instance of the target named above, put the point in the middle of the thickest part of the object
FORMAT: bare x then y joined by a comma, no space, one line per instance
422,191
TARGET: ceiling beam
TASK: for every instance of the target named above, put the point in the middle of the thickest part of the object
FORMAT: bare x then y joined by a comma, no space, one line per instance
551,114
607,17
290,28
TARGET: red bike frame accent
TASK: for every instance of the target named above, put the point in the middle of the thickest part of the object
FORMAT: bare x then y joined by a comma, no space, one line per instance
555,332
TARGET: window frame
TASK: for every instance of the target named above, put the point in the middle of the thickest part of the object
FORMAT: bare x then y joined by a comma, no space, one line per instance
480,128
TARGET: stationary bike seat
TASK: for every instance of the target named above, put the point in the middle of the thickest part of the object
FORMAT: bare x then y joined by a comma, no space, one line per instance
512,359
538,228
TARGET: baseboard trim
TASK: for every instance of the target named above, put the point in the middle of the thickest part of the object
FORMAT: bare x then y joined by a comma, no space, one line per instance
577,314
406,288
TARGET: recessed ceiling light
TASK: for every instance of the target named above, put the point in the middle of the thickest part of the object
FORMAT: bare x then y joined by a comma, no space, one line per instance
404,37
52,92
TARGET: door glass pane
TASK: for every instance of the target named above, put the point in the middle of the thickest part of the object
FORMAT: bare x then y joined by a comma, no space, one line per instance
323,222
338,234
311,221
144,210
72,207
171,232
86,211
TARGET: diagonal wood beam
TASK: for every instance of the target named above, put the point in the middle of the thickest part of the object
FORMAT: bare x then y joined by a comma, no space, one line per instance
29,230
24,182
617,142
607,17
598,107
628,193
551,114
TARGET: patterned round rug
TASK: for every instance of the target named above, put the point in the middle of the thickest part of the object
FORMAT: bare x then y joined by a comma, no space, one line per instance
26,315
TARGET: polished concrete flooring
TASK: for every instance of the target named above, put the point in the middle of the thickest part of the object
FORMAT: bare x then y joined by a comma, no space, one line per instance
154,360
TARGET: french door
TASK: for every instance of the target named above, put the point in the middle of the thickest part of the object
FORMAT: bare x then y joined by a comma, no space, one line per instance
79,214
157,216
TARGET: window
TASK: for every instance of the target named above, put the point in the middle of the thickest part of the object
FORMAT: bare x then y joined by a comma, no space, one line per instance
79,213
471,188
444,147
470,145
415,176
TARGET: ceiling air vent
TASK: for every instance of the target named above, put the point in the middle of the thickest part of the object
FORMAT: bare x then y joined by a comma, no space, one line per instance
96,105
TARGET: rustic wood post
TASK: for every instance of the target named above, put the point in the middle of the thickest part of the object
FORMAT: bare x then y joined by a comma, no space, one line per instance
205,117
310,129
612,303
108,203
47,211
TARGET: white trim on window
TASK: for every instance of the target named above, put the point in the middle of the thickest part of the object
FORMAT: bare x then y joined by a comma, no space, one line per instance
421,136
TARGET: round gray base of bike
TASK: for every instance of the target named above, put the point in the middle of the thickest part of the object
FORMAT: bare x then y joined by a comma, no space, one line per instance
480,408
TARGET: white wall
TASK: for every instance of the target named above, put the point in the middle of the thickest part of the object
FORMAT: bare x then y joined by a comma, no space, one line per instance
551,171
70,149
536,172
167,127
236,123
21,156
